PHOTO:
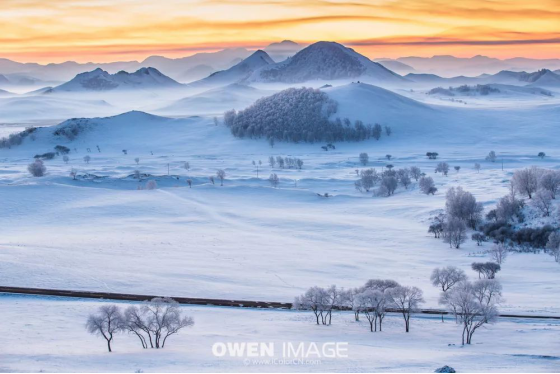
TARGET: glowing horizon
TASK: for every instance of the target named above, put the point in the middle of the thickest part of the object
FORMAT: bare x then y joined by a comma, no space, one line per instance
123,30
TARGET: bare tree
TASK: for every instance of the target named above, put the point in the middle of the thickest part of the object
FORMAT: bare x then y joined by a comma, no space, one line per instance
498,253
163,319
107,322
65,158
137,160
187,166
447,277
457,168
274,180
87,159
135,323
477,167
211,178
314,299
73,173
221,174
189,182
442,167
473,304
407,300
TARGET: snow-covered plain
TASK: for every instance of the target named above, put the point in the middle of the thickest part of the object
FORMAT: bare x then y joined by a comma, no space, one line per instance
48,334
247,240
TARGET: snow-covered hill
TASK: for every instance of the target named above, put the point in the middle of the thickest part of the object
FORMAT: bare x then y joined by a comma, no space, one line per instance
100,80
239,72
325,61
215,101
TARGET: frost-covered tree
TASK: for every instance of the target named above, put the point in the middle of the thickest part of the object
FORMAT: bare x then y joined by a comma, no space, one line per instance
349,299
272,161
187,166
479,238
135,323
553,245
274,180
447,277
211,179
427,185
373,305
87,159
73,173
526,181
454,232
137,160
550,181
498,253
368,179
477,167
37,168
486,269
543,202
407,300
462,204
364,158
321,301
189,182
280,162
106,322
388,185
415,172
164,319
508,208
388,130
65,158
442,167
473,304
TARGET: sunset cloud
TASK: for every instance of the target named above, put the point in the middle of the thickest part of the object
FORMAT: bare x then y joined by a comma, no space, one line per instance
105,30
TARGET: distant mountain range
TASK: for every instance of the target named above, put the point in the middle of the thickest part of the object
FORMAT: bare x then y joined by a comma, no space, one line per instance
543,78
100,80
185,69
450,66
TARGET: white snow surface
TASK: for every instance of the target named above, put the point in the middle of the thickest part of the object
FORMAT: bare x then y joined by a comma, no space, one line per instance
48,334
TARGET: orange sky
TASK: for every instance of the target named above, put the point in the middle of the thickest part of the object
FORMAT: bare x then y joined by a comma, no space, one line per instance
110,30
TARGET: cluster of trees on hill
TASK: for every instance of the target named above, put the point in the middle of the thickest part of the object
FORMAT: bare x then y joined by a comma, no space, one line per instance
298,115
16,139
388,180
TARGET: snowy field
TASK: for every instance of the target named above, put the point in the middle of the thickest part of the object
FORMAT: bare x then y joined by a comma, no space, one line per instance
248,240
47,334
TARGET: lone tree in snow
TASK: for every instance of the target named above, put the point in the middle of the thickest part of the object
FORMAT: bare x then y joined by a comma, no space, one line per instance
541,155
477,167
73,173
457,168
274,180
37,168
221,174
211,178
107,322
364,158
491,156
415,172
442,167
65,158
407,300
473,304
87,159
137,160
187,166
